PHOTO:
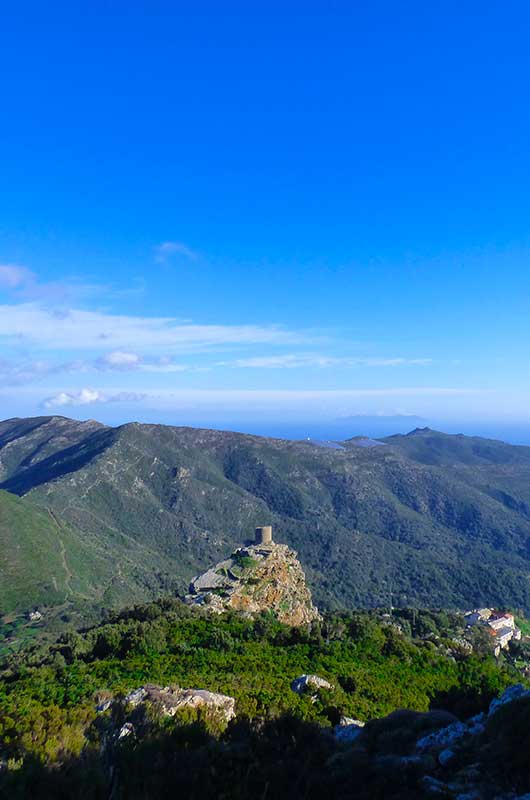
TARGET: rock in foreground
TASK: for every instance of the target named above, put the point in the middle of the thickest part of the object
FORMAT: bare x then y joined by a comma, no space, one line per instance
169,700
309,683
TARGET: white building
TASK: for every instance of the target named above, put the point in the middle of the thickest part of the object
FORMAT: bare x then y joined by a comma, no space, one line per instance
500,625
499,620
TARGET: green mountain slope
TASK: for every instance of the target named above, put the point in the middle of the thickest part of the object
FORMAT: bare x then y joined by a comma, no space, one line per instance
43,562
46,563
496,469
442,449
26,442
426,519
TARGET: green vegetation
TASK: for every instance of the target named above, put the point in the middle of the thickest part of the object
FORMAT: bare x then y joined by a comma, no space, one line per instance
374,667
44,562
426,519
47,564
245,562
48,695
523,624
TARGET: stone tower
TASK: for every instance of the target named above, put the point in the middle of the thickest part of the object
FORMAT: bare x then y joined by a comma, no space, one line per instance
264,534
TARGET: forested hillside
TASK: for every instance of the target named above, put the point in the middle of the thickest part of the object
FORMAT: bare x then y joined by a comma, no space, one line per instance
427,518
75,724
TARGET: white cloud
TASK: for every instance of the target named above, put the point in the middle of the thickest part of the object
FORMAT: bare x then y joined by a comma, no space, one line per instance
287,361
163,366
392,362
87,397
77,329
165,250
13,276
124,361
18,371
293,361
84,397
23,370
195,406
118,359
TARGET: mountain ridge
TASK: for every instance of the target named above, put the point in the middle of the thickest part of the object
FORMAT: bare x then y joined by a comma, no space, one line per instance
431,518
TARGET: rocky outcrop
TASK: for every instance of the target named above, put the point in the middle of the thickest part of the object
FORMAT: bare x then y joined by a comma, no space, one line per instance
348,729
309,684
438,755
512,693
169,700
254,579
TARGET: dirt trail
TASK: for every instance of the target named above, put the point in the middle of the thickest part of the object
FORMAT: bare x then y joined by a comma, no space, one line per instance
67,572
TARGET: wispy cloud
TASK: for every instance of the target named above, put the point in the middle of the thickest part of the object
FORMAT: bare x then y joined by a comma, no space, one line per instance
274,403
13,276
88,397
293,404
25,284
19,371
75,329
295,361
122,361
166,250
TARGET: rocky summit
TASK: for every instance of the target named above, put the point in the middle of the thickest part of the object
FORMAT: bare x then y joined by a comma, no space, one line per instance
263,576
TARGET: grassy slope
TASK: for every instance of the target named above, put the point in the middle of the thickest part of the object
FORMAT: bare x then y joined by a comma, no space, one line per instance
41,561
47,563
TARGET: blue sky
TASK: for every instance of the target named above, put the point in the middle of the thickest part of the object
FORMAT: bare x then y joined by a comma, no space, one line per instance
266,216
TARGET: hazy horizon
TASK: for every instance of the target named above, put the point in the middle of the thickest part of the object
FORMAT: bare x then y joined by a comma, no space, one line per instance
321,431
